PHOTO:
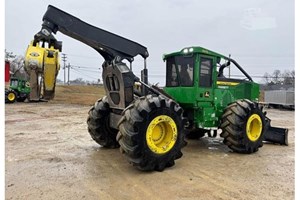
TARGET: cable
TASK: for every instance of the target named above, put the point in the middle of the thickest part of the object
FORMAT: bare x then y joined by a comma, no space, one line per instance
80,73
89,70
78,66
83,56
84,75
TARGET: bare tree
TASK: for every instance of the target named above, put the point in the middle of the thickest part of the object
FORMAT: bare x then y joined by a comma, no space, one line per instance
9,55
17,68
276,77
292,74
267,78
288,77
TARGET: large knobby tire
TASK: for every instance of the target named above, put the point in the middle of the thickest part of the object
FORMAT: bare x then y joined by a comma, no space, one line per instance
98,124
151,133
21,99
243,126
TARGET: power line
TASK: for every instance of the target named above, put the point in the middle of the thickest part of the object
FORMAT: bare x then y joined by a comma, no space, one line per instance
83,56
80,73
89,70
264,56
87,67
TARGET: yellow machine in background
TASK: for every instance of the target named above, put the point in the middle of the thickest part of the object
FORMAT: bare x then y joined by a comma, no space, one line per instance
42,66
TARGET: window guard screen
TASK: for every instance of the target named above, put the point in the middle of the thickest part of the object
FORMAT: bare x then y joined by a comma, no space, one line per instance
180,70
205,72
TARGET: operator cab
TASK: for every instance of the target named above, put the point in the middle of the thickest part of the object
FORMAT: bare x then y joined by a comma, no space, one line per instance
197,66
181,68
190,71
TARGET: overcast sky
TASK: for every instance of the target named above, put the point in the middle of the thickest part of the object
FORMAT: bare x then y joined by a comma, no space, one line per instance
259,34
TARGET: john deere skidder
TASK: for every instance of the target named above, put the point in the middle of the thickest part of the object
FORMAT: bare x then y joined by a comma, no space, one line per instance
19,90
150,125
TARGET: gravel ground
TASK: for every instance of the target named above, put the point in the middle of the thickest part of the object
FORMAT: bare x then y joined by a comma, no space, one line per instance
50,155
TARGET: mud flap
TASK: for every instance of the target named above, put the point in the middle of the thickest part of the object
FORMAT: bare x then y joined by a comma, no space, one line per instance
276,135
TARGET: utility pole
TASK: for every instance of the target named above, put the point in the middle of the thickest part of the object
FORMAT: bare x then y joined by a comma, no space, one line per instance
229,70
69,66
64,58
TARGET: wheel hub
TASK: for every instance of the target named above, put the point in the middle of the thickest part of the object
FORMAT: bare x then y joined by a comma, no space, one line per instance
161,134
254,127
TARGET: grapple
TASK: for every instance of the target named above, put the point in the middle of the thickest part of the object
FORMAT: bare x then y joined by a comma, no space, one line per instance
42,63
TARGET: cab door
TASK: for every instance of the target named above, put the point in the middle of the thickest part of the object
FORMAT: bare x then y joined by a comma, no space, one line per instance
205,91
206,79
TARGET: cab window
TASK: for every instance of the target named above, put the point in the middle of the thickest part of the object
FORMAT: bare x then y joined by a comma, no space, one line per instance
205,72
180,71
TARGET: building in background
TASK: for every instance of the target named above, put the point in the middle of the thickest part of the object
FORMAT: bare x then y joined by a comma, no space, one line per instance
7,73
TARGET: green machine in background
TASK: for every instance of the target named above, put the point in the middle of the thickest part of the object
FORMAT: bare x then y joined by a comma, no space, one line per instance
19,90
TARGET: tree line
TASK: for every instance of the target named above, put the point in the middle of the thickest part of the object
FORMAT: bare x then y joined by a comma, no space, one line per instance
286,77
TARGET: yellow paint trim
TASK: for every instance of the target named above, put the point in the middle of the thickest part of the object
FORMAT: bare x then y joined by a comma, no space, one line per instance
227,83
34,57
161,134
254,127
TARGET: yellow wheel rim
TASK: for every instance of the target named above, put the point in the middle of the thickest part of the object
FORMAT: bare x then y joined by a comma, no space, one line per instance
254,127
11,96
161,134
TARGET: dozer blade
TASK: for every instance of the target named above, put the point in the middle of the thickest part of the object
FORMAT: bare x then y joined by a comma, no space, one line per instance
276,135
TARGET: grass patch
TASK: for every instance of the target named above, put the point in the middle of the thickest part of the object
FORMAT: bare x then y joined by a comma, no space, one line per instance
78,94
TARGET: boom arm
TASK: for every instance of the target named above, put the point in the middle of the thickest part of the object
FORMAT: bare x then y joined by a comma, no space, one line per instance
117,78
109,45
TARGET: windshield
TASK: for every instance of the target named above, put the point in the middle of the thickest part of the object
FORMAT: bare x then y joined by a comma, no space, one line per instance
14,83
180,71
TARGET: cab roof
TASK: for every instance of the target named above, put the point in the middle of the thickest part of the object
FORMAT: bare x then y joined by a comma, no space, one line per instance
194,49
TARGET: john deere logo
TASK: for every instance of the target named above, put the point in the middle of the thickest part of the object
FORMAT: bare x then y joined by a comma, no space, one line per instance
34,54
206,94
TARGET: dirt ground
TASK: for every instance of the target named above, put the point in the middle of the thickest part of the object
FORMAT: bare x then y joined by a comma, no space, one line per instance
50,155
